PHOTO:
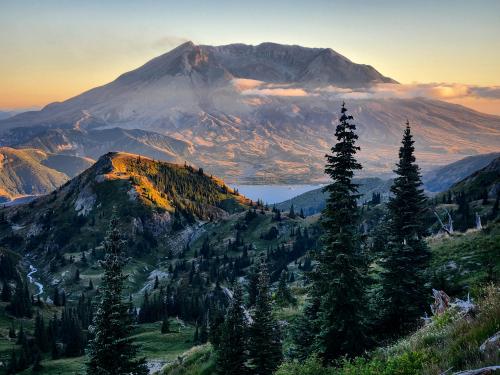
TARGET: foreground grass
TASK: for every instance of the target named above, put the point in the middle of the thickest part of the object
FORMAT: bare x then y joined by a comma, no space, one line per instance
449,343
199,360
465,260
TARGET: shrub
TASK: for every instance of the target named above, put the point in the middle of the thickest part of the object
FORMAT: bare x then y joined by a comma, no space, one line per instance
311,366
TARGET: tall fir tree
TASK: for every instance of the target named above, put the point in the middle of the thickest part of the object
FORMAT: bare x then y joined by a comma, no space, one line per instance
339,280
265,351
406,257
6,293
304,331
165,325
12,365
252,287
20,303
231,354
111,351
284,296
40,334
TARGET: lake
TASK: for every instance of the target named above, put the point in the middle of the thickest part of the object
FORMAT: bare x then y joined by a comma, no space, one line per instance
271,194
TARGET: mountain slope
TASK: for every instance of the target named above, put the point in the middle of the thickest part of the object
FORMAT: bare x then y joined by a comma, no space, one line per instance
94,143
33,172
486,179
314,201
68,164
153,198
442,178
262,113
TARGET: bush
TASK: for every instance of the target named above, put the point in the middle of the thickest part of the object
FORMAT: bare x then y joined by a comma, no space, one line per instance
312,366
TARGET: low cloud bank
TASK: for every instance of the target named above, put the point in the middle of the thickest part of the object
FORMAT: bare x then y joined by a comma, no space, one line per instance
445,91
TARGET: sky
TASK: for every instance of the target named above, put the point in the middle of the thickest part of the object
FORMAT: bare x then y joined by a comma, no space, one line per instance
54,49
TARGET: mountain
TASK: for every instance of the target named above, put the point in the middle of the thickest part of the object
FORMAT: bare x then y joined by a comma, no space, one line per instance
440,179
6,114
261,114
485,180
267,62
32,172
153,198
314,201
94,143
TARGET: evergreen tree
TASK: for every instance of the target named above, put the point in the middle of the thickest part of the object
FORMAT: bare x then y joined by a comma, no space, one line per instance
21,336
37,366
56,298
71,333
76,278
111,351
465,219
165,325
12,366
494,209
305,330
12,332
265,353
216,319
406,258
6,294
20,304
26,356
231,354
339,278
252,286
40,334
284,296
196,336
292,214
203,332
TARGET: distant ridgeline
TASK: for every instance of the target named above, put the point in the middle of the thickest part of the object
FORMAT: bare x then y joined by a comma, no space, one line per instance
373,190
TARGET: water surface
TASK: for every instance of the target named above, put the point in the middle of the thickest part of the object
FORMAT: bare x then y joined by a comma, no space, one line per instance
271,194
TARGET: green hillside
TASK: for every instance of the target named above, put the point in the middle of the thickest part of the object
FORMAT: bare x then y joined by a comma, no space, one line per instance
313,201
482,182
442,178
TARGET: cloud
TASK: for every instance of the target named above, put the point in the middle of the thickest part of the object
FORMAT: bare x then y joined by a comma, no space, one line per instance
487,92
277,92
481,98
251,87
244,84
445,91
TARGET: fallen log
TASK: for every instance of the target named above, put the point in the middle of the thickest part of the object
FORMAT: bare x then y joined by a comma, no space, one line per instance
480,371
